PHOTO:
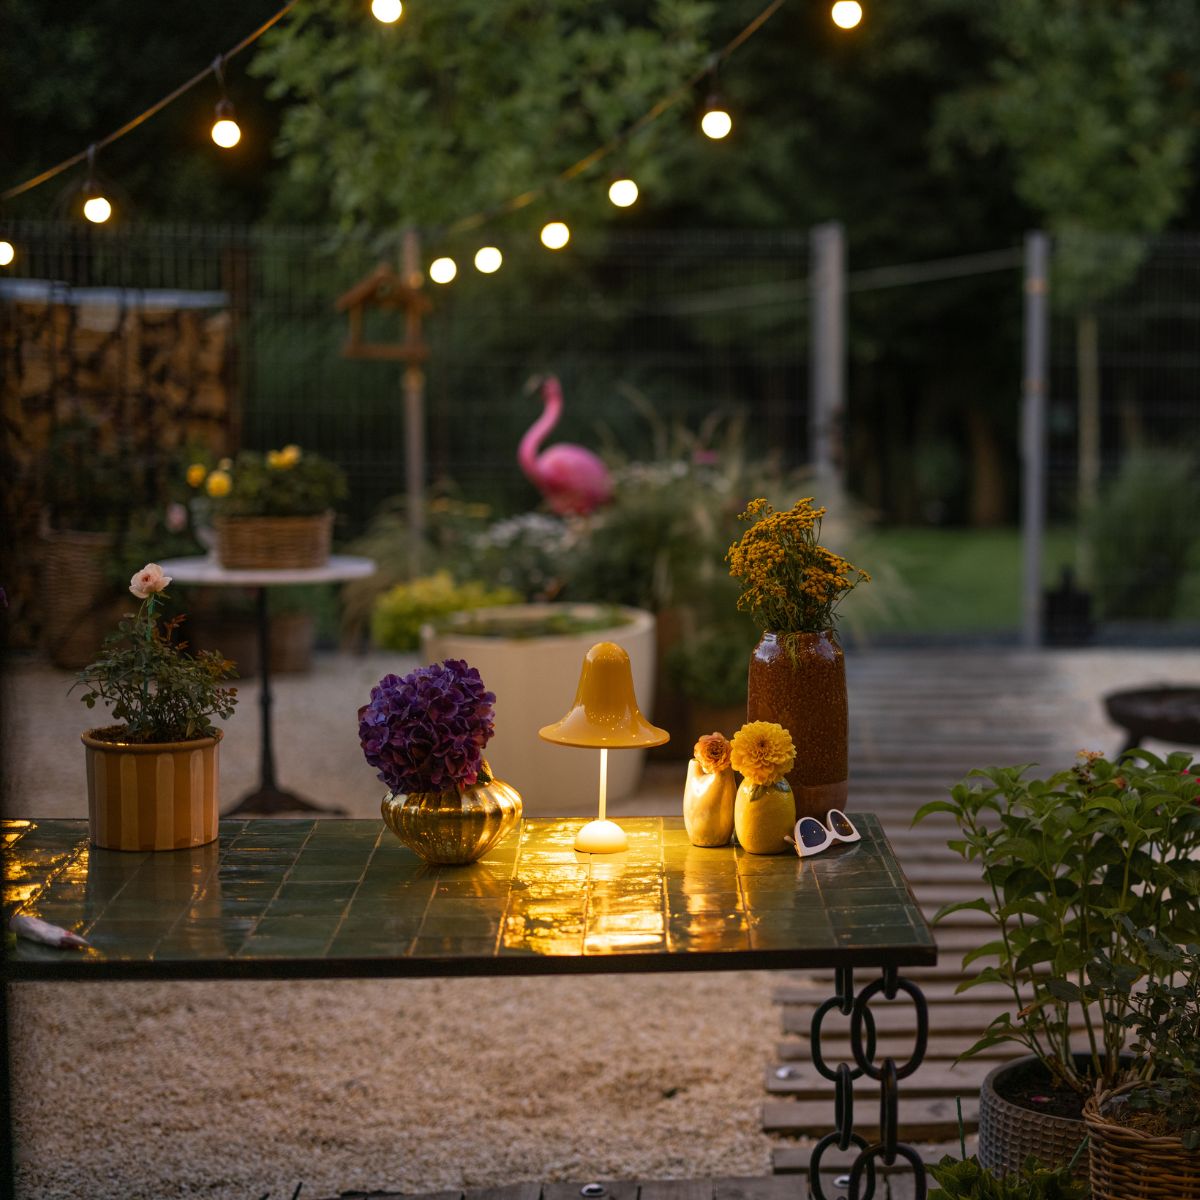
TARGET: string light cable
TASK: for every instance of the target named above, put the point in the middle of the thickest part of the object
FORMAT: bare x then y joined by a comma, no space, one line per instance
153,110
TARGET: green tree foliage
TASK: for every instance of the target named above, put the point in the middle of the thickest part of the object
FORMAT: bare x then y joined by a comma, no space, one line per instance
461,105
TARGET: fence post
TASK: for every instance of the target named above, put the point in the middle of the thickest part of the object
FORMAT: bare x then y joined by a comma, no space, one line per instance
827,351
1033,431
414,422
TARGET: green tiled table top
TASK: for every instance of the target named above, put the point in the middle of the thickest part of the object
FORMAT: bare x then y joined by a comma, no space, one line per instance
322,898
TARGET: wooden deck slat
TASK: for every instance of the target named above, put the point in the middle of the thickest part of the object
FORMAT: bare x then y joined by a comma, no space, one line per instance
936,1077
921,1118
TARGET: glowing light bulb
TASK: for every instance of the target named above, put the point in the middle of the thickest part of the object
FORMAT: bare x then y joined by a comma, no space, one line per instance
97,209
226,133
846,13
7,253
488,259
555,235
442,270
387,12
716,123
623,192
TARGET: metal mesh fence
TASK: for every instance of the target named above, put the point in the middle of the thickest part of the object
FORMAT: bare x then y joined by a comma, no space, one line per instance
1123,428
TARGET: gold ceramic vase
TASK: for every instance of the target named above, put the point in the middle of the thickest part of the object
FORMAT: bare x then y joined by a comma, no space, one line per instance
763,816
798,680
708,805
458,825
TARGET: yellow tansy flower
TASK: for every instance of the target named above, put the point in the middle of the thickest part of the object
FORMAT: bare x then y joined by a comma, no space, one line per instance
762,752
219,484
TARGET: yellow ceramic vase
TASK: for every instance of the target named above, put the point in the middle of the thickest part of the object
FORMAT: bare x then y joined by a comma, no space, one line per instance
708,806
763,814
458,825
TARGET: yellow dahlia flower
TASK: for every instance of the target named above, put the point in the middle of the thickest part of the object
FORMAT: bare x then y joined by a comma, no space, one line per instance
762,752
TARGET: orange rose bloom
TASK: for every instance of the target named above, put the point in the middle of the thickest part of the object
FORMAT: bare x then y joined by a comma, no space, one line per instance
712,753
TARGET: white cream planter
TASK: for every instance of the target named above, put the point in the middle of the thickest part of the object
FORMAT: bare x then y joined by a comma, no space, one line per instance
534,679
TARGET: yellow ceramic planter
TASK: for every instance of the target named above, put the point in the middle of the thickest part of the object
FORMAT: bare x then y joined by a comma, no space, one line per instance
151,796
763,815
708,806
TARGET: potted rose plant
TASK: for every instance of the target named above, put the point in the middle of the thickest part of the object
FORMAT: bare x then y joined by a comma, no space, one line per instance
1065,860
425,734
152,779
1145,1134
272,510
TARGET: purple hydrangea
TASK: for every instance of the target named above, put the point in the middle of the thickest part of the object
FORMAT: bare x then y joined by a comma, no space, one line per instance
426,732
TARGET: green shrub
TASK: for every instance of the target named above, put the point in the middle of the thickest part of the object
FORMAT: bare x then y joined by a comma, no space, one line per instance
399,613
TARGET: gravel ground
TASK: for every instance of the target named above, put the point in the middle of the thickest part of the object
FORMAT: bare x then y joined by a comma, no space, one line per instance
238,1089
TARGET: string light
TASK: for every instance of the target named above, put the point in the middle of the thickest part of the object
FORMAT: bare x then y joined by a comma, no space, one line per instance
623,192
488,259
386,12
7,253
96,207
716,122
846,13
555,235
443,270
225,131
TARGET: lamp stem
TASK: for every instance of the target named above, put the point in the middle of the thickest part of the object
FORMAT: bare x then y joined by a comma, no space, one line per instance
603,779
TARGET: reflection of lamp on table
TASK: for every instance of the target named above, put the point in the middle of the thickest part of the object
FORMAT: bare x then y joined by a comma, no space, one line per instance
605,714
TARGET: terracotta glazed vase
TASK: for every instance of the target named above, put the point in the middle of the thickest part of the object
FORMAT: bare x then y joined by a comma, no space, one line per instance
764,816
151,795
458,825
798,680
708,805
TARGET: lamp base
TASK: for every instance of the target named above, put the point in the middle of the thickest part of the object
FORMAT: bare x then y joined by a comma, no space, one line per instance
601,837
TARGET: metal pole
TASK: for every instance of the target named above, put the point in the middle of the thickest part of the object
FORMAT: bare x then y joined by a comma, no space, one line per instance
1033,431
414,422
827,353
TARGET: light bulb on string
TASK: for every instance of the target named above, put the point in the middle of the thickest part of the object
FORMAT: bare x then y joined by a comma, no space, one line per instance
386,12
7,252
623,192
716,121
555,235
96,206
443,270
846,14
225,131
488,259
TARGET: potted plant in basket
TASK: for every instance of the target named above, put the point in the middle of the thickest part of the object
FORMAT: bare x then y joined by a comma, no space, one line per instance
1073,865
152,779
792,585
272,510
1145,1134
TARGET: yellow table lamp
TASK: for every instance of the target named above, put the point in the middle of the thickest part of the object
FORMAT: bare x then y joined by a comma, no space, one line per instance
605,715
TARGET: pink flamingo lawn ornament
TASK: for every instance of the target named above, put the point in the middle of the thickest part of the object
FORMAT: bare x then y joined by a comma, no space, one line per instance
573,480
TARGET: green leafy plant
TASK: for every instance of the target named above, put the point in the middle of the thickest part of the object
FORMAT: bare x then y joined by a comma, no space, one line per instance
556,620
966,1179
1164,1018
280,483
400,612
1071,865
711,667
159,692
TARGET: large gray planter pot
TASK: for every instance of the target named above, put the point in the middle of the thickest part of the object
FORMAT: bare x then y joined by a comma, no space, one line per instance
1008,1133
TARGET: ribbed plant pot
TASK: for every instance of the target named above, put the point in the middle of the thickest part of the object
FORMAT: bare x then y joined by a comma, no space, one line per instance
151,796
1009,1133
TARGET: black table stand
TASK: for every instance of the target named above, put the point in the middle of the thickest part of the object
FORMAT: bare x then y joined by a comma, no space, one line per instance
270,799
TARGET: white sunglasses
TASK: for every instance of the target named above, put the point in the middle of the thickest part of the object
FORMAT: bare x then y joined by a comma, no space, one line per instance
812,836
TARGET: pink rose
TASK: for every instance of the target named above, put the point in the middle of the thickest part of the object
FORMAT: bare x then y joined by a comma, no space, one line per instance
148,580
177,517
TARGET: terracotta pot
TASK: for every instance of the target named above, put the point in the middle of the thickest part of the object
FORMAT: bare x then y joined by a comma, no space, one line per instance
798,680
458,825
153,795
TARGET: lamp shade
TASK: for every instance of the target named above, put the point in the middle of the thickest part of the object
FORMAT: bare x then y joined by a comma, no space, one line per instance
605,712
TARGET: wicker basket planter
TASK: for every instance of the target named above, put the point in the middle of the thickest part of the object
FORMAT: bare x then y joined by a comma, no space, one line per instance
274,543
1008,1133
75,618
1127,1164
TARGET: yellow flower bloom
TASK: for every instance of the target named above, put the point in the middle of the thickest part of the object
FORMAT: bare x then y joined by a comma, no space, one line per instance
291,454
712,753
275,460
762,752
219,484
195,474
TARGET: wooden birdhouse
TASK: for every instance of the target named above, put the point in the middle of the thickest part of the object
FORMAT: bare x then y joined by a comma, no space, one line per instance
386,289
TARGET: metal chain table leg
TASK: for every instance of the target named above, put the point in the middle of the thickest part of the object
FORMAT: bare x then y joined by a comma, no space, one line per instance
888,1075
